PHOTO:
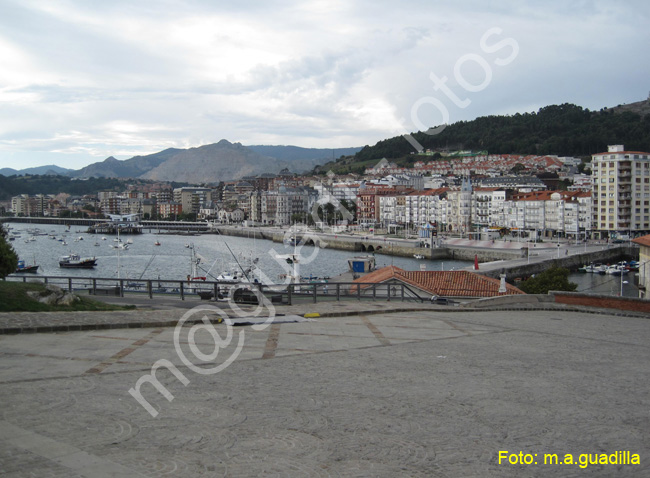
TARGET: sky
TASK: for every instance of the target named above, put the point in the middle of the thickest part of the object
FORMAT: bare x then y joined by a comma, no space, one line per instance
81,81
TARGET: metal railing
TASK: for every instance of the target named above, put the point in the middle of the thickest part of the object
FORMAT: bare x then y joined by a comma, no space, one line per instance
245,293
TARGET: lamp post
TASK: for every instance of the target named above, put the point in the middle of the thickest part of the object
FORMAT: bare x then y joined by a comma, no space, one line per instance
622,282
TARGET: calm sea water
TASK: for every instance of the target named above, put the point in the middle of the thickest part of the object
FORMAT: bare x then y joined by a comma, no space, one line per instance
172,259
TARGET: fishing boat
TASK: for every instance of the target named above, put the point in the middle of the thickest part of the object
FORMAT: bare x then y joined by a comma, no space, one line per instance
74,261
22,267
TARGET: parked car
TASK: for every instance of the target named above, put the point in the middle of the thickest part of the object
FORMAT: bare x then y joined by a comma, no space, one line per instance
441,300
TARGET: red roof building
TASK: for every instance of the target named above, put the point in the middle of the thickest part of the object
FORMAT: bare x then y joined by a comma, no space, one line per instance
453,284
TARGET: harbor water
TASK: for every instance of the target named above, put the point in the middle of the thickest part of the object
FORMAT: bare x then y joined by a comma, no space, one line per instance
171,260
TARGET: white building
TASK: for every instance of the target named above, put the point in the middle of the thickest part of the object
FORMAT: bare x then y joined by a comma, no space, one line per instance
621,192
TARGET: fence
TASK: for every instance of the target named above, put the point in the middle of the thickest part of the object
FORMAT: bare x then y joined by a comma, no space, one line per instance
245,293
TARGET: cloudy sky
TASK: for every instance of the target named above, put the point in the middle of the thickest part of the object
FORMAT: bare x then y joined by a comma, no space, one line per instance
81,81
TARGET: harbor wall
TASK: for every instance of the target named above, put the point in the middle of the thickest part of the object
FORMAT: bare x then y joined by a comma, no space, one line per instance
572,262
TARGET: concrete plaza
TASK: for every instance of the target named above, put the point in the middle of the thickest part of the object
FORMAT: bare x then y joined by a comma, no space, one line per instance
433,392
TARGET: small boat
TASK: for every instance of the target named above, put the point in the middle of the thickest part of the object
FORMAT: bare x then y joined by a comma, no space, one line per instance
73,261
616,270
129,241
96,244
22,267
591,268
157,243
291,241
229,278
418,256
80,238
104,238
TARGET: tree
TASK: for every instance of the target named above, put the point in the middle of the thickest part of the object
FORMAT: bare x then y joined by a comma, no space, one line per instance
8,257
554,278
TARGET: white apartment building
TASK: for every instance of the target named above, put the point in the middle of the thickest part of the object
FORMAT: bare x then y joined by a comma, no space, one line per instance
621,192
549,213
415,209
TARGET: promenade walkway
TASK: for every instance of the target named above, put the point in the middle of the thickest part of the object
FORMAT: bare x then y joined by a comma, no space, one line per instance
371,390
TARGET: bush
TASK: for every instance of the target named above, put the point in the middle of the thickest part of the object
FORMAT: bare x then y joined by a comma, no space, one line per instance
555,278
8,257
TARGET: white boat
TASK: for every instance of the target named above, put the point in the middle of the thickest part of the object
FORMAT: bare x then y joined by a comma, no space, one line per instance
616,270
418,256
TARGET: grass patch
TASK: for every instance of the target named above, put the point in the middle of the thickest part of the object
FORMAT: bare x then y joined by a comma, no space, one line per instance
14,298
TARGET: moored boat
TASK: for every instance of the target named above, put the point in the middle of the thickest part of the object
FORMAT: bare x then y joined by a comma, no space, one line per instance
74,261
22,267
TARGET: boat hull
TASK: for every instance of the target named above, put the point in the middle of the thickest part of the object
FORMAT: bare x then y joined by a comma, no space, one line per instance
80,265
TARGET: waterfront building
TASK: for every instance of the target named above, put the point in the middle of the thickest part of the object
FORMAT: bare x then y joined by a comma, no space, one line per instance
621,192
26,205
368,207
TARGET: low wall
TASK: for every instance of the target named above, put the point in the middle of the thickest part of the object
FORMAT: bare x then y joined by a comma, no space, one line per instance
250,232
464,253
602,301
573,262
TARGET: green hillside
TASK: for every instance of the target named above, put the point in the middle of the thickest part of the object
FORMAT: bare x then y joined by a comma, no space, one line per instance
563,130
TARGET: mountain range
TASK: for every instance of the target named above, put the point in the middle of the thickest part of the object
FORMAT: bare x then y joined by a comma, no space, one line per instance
50,169
220,161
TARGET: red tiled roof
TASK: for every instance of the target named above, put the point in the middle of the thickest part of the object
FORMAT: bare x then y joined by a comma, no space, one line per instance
442,283
643,240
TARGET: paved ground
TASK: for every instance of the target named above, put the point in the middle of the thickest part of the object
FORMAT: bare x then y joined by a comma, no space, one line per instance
412,393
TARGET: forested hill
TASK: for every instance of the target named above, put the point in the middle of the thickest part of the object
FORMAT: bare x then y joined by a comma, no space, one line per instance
33,184
563,130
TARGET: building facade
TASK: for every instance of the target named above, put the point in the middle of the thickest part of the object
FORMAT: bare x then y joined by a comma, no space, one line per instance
621,192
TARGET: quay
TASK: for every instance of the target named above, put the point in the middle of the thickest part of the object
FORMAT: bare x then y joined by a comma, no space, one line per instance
515,259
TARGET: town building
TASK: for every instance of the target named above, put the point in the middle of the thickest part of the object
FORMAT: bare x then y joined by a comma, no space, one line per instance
621,192
192,199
